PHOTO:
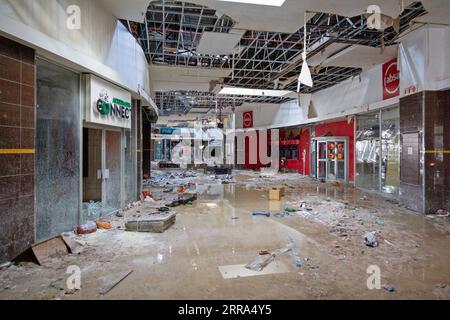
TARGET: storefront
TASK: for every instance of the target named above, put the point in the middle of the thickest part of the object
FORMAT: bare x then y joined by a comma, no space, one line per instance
331,151
86,150
377,150
109,149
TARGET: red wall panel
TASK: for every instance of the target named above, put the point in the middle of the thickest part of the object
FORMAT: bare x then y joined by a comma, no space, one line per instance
305,144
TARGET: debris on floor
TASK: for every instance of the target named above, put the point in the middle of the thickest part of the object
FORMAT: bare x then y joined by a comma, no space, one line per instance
6,265
262,260
156,222
327,221
88,227
103,225
442,213
49,248
389,288
370,239
297,260
111,286
265,214
75,247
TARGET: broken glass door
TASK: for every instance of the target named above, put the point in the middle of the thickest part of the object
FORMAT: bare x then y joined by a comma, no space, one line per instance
321,160
331,158
112,178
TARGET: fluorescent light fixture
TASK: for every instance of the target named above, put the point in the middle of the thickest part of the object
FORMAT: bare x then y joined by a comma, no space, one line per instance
254,92
273,3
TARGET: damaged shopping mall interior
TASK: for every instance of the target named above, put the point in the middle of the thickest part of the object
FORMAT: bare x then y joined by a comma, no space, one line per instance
224,150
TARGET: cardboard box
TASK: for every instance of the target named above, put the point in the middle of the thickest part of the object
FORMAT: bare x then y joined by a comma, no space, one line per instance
281,188
275,194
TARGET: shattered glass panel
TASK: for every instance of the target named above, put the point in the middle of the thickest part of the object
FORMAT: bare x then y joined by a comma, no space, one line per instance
390,144
58,139
368,152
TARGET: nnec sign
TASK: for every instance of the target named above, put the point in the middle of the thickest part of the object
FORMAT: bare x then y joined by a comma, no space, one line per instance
117,107
107,104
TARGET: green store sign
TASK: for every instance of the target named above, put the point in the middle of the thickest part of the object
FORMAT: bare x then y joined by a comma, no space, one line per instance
117,108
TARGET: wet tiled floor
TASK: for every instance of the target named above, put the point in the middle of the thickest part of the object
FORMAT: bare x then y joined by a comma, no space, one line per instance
218,234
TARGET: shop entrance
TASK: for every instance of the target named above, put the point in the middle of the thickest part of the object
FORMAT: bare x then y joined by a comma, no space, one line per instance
330,157
102,177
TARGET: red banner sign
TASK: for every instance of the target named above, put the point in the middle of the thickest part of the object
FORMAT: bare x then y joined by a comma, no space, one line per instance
391,80
247,118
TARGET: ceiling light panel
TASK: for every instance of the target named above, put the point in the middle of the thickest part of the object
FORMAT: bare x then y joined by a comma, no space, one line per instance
273,3
254,92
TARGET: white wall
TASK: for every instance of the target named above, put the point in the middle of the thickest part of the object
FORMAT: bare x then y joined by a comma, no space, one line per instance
103,46
425,59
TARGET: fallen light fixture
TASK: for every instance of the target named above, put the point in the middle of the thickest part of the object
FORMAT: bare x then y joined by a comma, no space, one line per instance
254,92
305,74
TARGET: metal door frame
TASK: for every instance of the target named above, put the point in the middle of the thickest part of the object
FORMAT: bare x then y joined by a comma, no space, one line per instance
327,140
103,161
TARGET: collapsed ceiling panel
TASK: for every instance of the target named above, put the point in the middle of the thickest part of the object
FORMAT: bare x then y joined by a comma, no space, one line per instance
173,78
364,57
218,43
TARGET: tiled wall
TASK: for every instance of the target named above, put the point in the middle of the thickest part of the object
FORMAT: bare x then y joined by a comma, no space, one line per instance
437,144
17,144
411,165
425,125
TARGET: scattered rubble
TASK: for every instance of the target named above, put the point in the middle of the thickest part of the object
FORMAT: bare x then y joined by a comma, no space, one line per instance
157,222
88,227
370,239
111,286
266,214
389,288
262,260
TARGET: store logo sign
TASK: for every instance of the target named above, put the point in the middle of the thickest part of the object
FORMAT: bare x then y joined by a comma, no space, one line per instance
116,108
391,79
248,119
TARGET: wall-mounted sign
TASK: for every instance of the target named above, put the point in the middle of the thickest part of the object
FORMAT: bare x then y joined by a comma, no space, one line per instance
410,90
391,79
247,119
167,130
107,104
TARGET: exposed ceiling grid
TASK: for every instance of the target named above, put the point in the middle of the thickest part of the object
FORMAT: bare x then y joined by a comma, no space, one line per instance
173,32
